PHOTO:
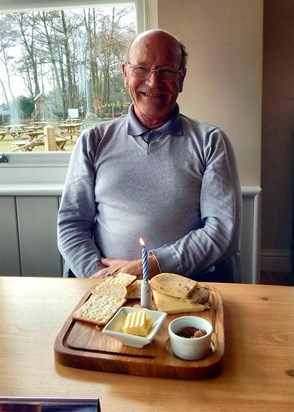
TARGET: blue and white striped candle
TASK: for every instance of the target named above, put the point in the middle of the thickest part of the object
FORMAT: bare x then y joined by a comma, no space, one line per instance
144,260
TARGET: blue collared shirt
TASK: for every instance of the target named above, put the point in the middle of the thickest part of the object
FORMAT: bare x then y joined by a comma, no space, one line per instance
173,126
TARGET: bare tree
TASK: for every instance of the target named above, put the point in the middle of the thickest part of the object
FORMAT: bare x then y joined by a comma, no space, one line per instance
47,19
6,42
90,22
76,54
111,44
27,23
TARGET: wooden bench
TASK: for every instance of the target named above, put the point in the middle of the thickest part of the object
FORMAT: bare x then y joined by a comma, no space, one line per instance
2,135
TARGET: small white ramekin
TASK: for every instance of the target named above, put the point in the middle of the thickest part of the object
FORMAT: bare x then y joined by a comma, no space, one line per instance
190,348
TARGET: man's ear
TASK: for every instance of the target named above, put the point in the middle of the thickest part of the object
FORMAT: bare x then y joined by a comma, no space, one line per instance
125,73
181,80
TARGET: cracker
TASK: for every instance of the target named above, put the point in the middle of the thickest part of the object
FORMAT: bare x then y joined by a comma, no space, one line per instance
103,304
116,290
123,279
98,311
107,297
134,290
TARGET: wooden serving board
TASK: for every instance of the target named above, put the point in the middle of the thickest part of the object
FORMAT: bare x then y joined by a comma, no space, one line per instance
82,345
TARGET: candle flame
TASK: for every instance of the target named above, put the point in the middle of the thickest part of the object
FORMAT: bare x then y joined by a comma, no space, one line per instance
141,242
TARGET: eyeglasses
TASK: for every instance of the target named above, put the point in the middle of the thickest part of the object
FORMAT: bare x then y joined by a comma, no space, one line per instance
165,75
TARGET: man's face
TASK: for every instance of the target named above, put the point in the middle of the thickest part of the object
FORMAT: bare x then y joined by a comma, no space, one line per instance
154,100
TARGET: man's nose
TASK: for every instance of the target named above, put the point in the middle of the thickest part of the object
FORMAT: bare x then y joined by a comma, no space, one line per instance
153,76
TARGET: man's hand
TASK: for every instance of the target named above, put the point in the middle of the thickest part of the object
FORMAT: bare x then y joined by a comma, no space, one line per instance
112,265
133,267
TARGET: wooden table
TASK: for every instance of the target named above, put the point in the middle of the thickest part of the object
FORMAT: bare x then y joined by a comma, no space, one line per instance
70,129
258,373
33,134
29,145
39,124
15,130
2,135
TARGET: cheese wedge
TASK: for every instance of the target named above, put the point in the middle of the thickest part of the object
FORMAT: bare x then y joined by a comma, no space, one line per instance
170,304
137,323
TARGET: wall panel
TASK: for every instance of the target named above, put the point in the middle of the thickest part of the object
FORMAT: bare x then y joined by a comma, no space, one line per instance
28,245
9,246
37,235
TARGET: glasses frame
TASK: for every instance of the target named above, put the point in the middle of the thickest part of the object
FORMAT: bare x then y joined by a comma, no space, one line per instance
177,72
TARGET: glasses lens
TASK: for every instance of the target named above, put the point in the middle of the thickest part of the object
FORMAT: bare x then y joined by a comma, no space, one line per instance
167,75
142,73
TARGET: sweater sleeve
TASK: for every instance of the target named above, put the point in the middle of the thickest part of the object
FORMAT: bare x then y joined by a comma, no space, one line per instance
220,203
77,210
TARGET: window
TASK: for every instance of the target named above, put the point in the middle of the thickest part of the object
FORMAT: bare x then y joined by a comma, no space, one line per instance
60,66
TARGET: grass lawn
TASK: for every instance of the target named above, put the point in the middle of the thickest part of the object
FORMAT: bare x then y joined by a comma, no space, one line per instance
7,144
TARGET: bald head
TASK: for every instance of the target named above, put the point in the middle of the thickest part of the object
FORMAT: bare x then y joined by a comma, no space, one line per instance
163,38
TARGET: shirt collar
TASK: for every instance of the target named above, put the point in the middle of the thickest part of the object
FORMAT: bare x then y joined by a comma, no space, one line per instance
173,125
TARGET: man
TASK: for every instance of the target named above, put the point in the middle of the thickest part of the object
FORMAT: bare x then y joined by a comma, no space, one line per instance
153,174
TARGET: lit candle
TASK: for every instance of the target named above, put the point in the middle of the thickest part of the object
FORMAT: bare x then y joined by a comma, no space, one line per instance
146,301
144,260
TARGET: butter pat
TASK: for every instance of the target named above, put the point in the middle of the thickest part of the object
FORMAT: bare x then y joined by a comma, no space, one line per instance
137,323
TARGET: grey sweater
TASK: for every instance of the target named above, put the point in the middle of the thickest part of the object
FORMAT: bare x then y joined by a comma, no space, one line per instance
180,193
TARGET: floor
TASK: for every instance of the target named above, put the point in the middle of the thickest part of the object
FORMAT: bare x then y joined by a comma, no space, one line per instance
277,278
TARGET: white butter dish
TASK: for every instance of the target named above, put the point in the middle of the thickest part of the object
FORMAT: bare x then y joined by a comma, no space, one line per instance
114,327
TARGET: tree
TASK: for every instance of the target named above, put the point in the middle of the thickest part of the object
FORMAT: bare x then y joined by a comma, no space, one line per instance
73,57
26,106
30,58
6,42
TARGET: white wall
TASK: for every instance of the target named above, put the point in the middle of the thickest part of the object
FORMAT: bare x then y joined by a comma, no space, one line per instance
224,81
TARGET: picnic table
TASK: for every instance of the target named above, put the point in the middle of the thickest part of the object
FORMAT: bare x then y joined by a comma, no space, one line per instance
33,134
39,124
70,129
2,134
30,144
15,130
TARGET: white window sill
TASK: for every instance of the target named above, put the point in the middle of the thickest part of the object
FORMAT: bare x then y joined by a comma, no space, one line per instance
31,189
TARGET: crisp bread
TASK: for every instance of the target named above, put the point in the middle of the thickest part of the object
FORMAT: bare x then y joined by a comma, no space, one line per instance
98,311
107,297
102,304
134,290
122,279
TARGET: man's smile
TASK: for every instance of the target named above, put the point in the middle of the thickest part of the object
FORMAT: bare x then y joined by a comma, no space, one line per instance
152,94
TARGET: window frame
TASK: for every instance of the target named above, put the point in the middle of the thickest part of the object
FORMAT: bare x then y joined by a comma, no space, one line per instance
31,168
